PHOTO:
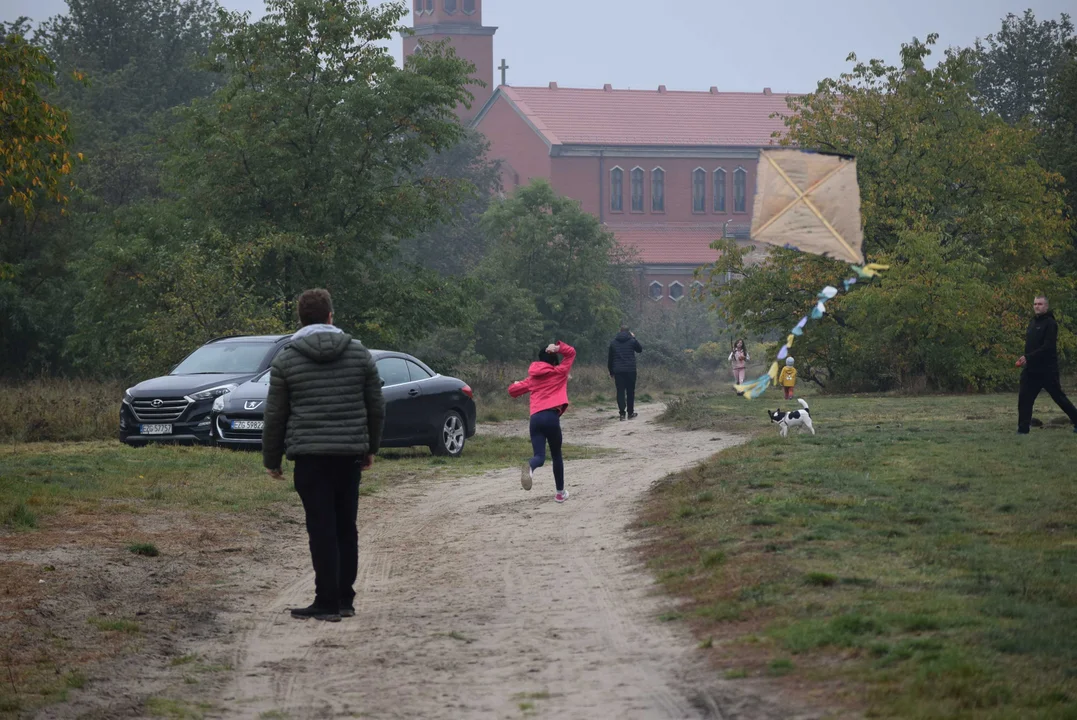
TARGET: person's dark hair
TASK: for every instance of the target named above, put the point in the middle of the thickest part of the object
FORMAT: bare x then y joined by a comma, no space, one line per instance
315,306
551,358
740,341
624,327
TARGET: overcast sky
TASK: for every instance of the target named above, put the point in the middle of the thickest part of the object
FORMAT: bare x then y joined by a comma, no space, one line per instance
787,45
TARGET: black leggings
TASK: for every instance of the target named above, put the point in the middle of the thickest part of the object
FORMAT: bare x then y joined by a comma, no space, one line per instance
546,427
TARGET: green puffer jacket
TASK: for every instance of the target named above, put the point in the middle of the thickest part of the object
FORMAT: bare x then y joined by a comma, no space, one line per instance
324,399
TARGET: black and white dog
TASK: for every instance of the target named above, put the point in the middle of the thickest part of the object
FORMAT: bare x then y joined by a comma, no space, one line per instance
797,418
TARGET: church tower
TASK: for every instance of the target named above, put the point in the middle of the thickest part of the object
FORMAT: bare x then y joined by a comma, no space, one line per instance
459,21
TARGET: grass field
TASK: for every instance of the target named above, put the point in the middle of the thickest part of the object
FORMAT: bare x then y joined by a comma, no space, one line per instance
914,559
41,479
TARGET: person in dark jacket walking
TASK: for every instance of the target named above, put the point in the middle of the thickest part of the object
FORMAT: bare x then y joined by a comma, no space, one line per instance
325,411
622,367
1040,367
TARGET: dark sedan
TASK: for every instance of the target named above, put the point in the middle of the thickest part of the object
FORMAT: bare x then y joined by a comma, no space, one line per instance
421,408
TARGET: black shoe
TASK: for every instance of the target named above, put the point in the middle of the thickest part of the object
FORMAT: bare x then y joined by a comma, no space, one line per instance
318,613
622,417
632,415
347,610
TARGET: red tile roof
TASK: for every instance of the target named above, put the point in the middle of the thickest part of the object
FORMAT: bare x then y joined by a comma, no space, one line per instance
568,116
670,244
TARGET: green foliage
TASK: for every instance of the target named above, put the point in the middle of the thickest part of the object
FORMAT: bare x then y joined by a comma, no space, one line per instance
953,200
556,260
36,171
1018,64
34,147
1058,140
456,244
303,170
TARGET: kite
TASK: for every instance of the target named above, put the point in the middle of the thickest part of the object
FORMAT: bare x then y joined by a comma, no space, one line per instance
810,202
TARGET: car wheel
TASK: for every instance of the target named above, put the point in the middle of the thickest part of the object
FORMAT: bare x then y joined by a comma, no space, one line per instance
452,436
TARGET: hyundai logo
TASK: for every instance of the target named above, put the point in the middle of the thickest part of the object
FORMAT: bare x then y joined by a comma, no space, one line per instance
252,404
157,403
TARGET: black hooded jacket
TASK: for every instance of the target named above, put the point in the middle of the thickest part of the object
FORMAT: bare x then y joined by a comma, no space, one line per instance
1041,343
622,356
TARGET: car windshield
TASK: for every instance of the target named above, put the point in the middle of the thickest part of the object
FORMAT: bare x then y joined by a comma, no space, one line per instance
224,358
262,379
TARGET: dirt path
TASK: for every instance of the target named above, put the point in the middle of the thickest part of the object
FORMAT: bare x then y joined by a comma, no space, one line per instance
479,600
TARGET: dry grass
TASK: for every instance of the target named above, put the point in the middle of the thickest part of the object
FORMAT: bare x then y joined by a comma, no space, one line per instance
59,410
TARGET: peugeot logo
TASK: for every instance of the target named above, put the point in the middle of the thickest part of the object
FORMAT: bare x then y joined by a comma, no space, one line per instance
252,404
157,403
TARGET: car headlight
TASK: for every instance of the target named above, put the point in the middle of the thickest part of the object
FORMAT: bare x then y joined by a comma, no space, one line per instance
212,392
127,396
218,404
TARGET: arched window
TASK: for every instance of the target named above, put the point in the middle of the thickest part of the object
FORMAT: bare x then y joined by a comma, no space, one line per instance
450,6
676,291
637,189
697,289
740,190
699,190
418,7
430,6
719,190
658,190
469,6
657,291
617,182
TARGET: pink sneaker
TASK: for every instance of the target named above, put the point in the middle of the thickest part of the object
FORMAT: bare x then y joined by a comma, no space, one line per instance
561,496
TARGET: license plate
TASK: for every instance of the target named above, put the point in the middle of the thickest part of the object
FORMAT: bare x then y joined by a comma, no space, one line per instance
248,424
155,429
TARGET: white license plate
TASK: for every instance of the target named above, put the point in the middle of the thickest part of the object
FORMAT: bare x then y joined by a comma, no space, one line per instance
155,429
248,424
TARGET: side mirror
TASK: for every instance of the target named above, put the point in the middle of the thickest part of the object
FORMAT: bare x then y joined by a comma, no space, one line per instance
382,383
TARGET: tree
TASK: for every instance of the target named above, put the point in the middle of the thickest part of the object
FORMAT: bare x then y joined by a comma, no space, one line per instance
139,60
36,136
558,257
1058,141
304,169
929,160
1018,64
456,245
952,199
36,163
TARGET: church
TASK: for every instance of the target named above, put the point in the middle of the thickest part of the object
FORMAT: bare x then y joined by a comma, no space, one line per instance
667,172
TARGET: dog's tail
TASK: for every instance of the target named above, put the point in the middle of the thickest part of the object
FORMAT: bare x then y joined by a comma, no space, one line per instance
803,403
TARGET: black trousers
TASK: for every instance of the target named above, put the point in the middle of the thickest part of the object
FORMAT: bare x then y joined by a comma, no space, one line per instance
328,485
546,428
626,391
1031,385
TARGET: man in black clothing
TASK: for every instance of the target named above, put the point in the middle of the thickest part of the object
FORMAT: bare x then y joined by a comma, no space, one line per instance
1040,363
622,366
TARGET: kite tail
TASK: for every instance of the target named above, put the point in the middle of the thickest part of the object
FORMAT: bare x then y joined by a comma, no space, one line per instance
757,387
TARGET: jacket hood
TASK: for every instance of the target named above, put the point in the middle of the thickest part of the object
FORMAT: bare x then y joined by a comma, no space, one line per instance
625,336
540,369
323,346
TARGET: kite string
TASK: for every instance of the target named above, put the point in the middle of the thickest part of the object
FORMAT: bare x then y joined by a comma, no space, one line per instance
757,387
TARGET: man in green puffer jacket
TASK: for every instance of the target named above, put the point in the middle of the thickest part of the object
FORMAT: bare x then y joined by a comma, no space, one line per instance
325,411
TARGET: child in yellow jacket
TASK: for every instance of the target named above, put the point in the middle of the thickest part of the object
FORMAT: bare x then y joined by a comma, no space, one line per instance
788,378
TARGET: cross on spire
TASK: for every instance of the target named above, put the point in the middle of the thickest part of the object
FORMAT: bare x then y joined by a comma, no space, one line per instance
503,67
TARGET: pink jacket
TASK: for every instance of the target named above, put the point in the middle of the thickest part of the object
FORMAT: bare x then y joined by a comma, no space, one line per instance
548,384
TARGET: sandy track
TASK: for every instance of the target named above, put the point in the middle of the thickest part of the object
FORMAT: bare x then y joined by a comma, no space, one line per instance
479,600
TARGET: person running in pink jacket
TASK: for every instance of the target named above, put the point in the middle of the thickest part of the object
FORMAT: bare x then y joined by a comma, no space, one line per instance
547,381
